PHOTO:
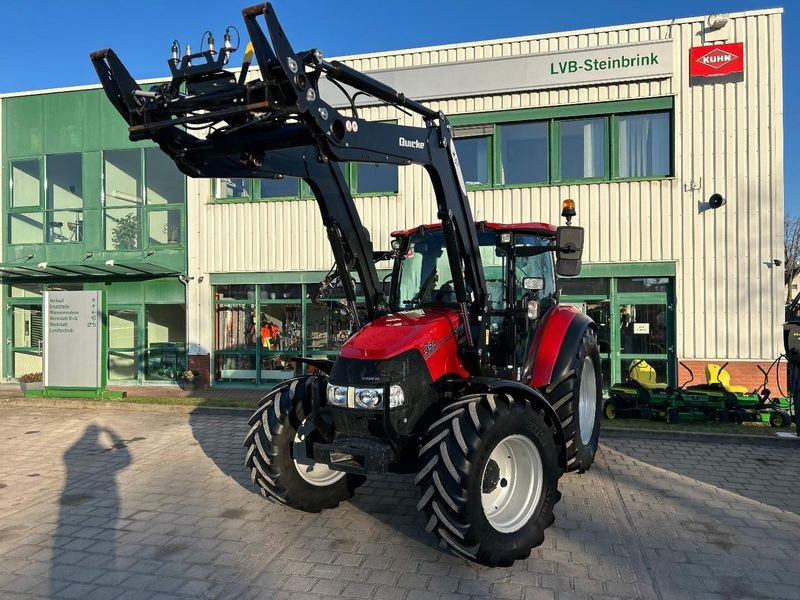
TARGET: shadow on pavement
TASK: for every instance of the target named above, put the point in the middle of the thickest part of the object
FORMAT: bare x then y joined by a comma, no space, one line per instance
89,505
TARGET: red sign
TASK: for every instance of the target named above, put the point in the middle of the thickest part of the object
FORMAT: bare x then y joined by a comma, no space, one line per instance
716,61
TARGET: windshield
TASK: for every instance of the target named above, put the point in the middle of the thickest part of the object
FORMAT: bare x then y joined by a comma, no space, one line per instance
425,277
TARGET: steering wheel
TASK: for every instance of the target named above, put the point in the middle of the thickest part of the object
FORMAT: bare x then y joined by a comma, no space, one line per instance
446,288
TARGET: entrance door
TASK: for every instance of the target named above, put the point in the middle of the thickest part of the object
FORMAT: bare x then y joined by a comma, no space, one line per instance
124,360
635,320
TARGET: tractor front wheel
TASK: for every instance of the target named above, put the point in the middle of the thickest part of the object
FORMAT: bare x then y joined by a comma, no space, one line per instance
278,454
489,478
611,409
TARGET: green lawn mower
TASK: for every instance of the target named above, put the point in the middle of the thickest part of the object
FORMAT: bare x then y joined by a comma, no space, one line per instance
641,396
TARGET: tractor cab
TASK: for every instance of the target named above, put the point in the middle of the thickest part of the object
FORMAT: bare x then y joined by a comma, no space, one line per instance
519,271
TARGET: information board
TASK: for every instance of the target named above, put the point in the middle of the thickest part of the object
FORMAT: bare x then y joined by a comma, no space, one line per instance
73,350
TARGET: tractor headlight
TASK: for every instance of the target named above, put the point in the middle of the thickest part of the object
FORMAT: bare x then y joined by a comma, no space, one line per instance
337,395
396,396
368,398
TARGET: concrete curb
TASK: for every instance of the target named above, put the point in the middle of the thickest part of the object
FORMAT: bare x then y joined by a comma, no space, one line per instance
703,437
78,403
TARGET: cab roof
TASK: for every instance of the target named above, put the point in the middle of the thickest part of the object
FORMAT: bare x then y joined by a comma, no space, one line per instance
543,229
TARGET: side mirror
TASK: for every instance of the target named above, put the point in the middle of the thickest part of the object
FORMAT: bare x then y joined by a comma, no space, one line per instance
569,241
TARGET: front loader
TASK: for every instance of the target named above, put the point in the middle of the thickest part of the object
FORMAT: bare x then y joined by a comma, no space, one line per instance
468,373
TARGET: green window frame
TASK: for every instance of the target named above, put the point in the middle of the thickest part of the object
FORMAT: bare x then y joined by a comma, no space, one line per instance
491,127
152,221
57,212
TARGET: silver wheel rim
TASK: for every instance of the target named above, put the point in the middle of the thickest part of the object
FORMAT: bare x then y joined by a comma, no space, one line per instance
312,472
587,404
512,483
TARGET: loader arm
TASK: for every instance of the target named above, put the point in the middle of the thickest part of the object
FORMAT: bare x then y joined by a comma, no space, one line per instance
280,126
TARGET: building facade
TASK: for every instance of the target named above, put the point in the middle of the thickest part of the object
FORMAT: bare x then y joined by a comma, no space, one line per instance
668,136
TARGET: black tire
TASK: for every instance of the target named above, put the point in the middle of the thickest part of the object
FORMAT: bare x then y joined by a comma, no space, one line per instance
780,418
270,444
611,409
564,395
454,459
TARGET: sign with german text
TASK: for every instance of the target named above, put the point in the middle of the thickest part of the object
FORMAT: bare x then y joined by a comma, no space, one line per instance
73,339
719,60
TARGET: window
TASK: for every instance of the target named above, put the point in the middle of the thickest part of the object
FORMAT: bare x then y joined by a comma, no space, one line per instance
582,148
64,174
644,147
523,153
375,178
143,199
605,141
62,218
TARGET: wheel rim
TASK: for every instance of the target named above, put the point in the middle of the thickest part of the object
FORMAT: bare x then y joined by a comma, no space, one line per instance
611,412
312,472
587,404
512,483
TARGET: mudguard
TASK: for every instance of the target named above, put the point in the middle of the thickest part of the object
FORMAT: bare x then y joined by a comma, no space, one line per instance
554,346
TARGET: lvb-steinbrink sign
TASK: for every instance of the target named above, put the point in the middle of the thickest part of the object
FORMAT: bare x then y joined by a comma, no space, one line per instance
569,68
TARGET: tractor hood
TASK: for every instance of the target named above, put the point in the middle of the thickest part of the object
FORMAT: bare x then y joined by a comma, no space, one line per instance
425,330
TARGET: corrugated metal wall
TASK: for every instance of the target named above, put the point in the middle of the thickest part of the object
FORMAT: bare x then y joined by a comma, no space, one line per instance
728,136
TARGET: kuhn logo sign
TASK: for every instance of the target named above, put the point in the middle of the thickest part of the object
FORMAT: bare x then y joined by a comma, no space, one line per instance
716,61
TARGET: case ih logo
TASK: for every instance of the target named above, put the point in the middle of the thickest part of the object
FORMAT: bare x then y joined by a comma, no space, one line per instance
716,61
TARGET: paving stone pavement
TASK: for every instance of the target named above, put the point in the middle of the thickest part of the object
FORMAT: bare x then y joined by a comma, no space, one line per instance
114,504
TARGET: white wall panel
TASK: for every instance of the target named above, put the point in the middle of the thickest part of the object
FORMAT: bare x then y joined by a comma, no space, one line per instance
728,136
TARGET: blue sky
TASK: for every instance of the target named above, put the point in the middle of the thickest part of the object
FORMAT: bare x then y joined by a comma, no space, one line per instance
47,42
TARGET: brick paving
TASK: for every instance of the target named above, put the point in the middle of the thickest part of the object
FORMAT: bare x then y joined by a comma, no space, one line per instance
115,504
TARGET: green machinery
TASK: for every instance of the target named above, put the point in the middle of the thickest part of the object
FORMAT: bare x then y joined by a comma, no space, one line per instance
641,396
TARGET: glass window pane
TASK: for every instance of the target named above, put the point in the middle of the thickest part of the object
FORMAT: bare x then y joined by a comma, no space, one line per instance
326,328
64,176
376,178
473,154
25,228
26,362
122,177
582,148
235,292
164,226
165,183
280,291
236,327
26,290
642,284
122,228
26,327
25,180
165,354
286,187
276,368
644,145
122,328
584,286
280,326
64,226
121,365
233,187
235,367
643,328
523,153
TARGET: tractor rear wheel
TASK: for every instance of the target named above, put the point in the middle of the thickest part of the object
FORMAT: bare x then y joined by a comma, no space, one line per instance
278,456
489,478
578,401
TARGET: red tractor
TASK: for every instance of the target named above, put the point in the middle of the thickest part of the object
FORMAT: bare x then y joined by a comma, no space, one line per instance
467,371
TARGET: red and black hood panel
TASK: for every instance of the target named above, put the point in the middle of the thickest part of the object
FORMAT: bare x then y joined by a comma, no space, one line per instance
431,333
